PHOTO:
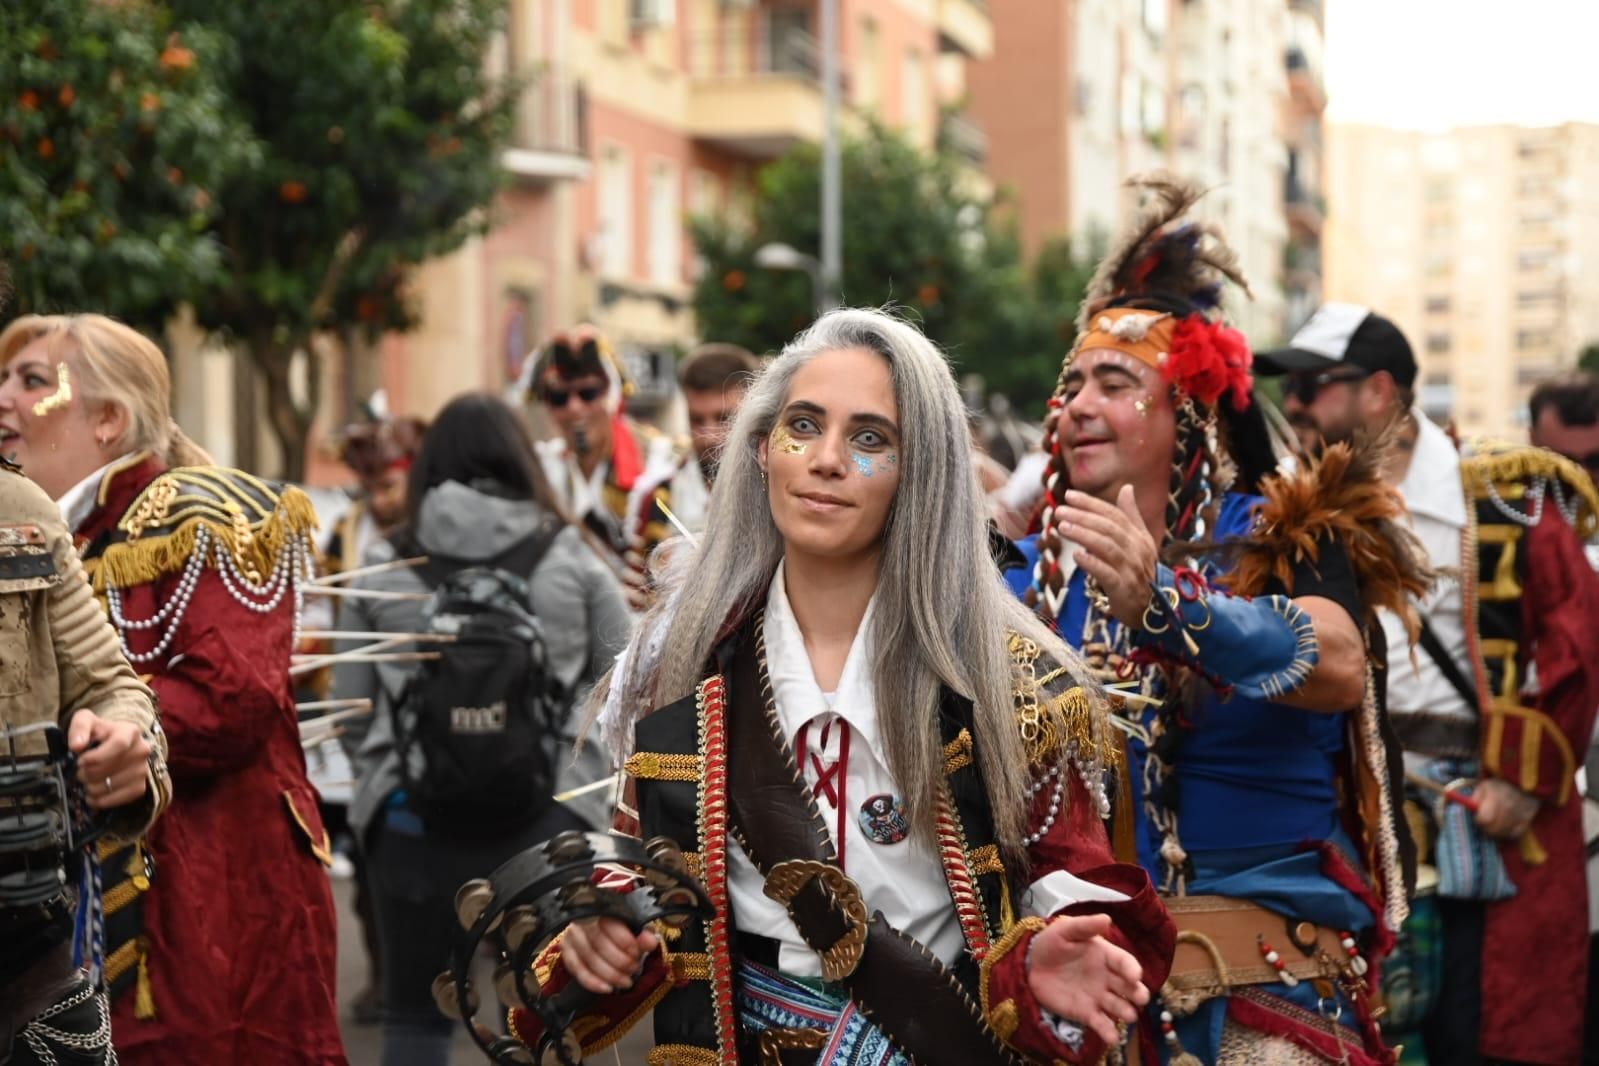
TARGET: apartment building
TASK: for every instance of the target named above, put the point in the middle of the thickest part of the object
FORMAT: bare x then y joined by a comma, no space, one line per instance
1482,243
1082,94
641,115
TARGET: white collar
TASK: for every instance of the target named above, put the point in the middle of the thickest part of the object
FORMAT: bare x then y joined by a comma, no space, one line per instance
78,502
1432,485
797,695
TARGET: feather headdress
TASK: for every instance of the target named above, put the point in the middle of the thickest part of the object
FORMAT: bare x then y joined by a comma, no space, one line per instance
1165,255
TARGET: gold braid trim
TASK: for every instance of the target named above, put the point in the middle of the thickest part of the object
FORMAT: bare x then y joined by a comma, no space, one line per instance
680,1055
655,766
1497,462
1053,724
958,753
248,518
995,1012
621,1028
985,860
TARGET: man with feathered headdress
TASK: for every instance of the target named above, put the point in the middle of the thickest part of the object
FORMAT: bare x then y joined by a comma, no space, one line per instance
1231,609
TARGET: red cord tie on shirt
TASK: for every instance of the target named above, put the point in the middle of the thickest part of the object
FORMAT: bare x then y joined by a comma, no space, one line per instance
828,775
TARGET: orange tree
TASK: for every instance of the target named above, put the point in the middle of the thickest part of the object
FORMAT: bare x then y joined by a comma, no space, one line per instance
914,236
115,133
379,134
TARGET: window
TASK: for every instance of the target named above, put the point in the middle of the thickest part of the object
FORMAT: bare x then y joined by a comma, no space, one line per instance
704,193
913,94
1155,17
1438,305
616,212
1540,298
666,226
1437,344
868,93
1533,339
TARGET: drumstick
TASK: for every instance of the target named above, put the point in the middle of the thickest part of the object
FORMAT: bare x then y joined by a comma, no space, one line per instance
1461,798
677,523
366,571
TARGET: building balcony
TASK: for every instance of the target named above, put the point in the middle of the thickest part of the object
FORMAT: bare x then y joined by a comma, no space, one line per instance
550,140
756,97
965,26
964,139
1306,211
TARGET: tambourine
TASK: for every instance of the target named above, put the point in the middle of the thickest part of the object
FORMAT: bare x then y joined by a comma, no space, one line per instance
527,902
43,819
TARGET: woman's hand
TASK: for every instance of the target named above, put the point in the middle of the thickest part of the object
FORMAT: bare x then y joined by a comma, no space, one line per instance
1114,548
113,759
1076,974
604,956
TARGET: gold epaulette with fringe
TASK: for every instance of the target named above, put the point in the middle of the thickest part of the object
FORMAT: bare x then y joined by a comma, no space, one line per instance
250,519
1497,463
1056,714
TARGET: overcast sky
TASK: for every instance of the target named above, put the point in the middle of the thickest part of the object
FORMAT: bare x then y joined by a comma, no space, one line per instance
1432,64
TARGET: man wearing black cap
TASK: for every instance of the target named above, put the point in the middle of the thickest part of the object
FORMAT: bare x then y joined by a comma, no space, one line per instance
1497,699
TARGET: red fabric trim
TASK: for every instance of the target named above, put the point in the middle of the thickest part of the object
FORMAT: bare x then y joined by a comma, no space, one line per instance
713,840
1256,1016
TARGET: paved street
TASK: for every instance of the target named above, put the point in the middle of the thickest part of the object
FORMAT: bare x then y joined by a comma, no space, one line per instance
364,1044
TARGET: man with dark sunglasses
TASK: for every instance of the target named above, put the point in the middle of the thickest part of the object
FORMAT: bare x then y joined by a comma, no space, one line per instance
602,459
1494,702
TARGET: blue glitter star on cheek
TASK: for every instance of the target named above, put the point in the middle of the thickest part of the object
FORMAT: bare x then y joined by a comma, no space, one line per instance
863,463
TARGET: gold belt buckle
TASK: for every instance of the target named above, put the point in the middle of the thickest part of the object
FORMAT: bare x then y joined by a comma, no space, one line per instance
785,882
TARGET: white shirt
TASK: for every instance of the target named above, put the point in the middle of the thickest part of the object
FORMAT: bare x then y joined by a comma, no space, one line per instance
904,880
78,501
1436,502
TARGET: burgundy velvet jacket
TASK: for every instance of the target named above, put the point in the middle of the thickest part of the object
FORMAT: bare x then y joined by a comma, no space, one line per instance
239,935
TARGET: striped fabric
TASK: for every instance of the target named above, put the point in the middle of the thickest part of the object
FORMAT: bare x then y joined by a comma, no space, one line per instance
769,1000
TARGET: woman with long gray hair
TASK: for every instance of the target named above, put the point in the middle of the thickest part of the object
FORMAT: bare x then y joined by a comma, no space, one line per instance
838,711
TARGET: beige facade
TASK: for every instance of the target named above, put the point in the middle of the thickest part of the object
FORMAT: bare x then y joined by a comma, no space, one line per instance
1482,244
638,116
1083,94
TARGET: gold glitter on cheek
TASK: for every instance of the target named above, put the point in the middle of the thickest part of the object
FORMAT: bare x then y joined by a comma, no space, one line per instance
784,442
59,398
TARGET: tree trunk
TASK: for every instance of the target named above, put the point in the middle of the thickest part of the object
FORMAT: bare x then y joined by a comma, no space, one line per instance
290,425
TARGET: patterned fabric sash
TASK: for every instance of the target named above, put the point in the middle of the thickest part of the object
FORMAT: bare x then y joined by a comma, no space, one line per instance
771,1000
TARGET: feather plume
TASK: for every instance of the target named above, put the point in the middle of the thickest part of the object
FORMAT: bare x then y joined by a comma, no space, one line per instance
1342,496
1161,254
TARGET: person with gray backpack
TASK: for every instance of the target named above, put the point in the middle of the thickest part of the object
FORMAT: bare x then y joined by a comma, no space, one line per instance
514,615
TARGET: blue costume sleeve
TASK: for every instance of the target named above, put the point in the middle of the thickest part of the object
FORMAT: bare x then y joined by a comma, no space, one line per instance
1263,648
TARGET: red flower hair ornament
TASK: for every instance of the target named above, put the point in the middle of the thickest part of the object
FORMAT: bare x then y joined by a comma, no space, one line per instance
1207,360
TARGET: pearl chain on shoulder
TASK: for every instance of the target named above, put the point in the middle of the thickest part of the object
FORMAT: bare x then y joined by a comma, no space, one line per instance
290,570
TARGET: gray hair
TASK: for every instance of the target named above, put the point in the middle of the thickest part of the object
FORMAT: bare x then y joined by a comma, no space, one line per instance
942,616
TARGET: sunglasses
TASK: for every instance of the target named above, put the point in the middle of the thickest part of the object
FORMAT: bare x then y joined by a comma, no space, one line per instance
559,398
1304,387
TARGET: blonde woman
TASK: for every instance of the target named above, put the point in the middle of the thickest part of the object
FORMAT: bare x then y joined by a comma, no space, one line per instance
221,935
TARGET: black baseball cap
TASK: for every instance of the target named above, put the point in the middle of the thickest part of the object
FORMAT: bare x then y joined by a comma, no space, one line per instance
1344,335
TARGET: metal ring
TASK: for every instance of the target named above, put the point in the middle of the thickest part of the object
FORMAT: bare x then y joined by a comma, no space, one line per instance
108,785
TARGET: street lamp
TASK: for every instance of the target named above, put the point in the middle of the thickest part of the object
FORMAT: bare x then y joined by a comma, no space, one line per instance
780,256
